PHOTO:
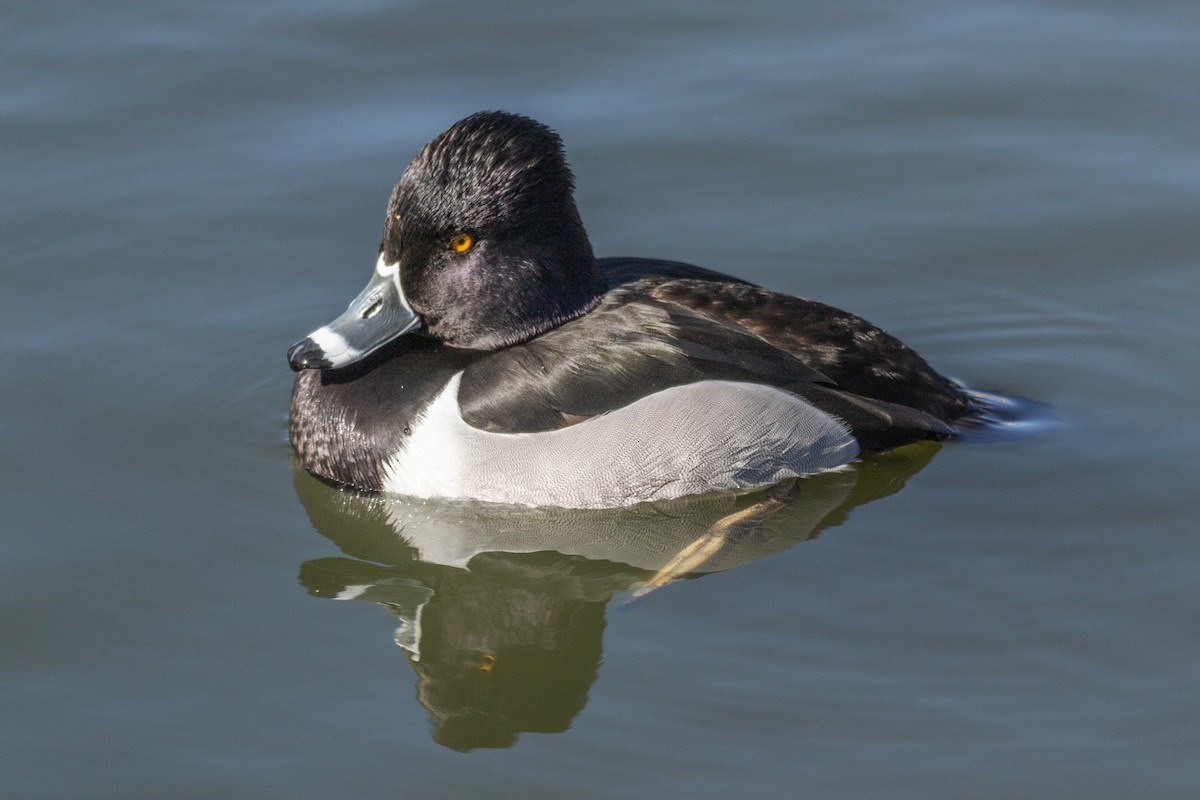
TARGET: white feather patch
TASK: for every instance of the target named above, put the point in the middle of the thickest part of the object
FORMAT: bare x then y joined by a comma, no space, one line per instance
685,440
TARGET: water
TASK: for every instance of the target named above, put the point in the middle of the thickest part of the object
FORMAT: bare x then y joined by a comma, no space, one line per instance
1012,188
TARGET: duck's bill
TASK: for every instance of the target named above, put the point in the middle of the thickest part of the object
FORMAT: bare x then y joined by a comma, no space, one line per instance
377,316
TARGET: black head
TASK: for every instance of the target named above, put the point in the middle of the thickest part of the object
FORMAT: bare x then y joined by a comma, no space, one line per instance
483,225
482,248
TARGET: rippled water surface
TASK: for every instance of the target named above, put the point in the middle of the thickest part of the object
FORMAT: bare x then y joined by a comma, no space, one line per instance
1013,188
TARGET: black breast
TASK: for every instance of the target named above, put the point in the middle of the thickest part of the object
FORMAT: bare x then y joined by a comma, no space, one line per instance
345,423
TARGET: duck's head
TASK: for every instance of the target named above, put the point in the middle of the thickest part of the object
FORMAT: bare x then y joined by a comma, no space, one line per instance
482,248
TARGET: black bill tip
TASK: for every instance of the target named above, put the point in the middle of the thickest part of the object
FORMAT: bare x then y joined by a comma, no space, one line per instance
307,354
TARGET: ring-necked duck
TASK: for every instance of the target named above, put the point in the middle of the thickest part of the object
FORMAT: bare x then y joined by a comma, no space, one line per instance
493,357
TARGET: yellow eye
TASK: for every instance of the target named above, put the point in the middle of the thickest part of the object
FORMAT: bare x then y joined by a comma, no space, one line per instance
462,242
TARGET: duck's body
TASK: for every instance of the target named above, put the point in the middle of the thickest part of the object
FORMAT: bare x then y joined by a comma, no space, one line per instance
547,377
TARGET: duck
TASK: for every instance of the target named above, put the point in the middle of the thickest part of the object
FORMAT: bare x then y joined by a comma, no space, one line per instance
493,357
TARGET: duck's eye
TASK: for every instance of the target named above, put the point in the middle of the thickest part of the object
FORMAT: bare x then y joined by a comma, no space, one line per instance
462,242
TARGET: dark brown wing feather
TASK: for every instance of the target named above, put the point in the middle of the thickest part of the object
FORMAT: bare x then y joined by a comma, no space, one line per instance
857,356
636,343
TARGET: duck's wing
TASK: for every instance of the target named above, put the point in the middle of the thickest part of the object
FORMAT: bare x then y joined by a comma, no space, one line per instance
634,345
856,356
624,270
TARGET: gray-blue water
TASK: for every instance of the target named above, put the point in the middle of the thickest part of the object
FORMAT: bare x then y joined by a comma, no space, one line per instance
1013,188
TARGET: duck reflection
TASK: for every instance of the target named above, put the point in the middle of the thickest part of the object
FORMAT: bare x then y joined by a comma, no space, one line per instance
501,609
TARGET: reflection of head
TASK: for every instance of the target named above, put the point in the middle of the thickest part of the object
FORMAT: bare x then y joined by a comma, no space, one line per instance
495,663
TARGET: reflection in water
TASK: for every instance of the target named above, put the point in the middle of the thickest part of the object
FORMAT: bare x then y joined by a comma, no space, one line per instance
501,609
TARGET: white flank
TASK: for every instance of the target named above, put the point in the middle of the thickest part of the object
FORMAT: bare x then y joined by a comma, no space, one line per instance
431,462
702,437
